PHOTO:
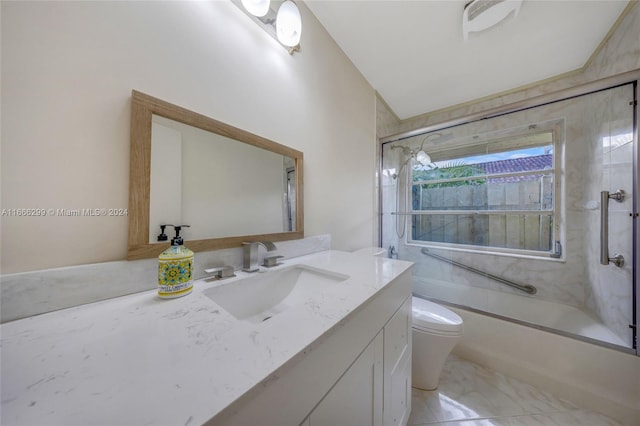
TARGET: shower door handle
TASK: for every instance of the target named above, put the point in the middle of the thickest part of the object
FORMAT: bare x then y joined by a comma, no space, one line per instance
617,259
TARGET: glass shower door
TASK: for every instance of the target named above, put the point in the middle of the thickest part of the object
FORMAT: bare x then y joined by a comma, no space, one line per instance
510,217
612,190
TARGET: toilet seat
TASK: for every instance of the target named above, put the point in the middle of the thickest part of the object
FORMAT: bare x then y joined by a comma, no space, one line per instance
431,317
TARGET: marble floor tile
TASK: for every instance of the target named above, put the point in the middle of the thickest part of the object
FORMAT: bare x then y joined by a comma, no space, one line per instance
471,395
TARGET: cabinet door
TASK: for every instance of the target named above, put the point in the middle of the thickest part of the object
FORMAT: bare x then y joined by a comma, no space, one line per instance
397,367
356,399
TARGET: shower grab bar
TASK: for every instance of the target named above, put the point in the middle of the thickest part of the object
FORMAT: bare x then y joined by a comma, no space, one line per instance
475,212
527,288
605,196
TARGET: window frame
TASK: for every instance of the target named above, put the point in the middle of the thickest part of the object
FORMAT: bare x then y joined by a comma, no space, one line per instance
556,128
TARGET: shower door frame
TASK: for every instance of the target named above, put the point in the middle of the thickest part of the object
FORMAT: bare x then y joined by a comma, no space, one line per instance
630,77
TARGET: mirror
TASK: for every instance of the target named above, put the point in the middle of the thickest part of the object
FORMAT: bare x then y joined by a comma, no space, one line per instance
229,185
198,177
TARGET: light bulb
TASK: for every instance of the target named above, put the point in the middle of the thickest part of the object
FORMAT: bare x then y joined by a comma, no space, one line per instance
256,7
423,158
289,24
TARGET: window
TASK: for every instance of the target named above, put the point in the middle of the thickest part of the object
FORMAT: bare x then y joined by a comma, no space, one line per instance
496,194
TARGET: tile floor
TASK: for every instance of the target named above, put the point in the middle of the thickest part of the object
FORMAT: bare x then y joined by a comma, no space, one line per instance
472,395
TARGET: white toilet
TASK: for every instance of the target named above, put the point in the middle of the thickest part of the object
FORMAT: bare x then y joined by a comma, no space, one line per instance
435,330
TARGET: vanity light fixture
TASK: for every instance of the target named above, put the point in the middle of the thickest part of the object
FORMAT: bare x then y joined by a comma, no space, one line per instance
280,19
256,7
289,24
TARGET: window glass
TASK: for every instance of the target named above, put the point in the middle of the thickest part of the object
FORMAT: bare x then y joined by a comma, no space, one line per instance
496,194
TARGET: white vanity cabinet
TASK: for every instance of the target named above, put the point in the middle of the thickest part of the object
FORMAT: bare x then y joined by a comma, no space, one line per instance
397,367
376,389
356,399
358,374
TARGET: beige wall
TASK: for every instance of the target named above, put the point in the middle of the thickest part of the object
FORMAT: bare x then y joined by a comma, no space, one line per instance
68,69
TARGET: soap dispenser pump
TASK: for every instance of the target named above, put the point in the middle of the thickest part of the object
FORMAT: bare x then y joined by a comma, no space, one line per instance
175,267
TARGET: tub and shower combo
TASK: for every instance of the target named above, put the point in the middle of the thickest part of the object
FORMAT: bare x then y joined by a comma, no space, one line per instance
525,214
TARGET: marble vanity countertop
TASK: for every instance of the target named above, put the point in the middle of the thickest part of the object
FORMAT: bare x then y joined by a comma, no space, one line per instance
141,360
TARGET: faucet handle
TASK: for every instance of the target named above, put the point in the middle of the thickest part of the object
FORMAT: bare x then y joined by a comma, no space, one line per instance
221,272
270,261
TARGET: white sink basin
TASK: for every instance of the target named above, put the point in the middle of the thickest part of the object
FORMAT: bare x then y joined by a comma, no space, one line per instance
259,297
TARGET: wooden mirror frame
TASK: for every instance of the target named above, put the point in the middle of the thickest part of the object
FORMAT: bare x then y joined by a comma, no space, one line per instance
143,107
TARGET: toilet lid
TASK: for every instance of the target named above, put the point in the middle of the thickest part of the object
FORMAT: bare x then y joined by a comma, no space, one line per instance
431,316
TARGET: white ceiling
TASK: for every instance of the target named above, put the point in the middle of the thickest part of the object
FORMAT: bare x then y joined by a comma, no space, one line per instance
412,51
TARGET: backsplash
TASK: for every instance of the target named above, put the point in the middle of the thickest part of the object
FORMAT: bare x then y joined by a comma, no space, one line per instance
31,293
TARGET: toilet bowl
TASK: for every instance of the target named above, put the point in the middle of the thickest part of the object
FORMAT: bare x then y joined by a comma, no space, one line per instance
435,331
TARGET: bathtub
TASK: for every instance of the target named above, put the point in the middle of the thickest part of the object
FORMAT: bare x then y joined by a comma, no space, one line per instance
535,341
550,316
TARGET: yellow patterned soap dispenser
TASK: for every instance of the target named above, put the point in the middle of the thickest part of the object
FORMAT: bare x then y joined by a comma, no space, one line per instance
175,267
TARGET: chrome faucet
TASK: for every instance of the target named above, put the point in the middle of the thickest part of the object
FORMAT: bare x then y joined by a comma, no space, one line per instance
250,254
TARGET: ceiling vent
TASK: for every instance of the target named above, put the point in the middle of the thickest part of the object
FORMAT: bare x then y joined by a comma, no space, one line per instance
479,15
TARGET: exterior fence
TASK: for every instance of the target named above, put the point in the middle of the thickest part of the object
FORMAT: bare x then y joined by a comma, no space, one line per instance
501,214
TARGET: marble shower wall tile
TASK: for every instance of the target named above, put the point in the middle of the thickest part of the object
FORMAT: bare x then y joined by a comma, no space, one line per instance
386,122
621,52
32,293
